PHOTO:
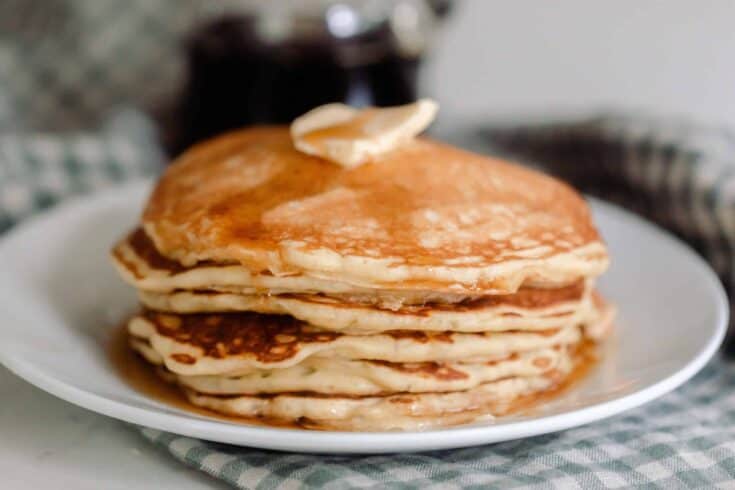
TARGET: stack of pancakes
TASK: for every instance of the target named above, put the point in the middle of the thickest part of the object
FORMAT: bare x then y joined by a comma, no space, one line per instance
429,287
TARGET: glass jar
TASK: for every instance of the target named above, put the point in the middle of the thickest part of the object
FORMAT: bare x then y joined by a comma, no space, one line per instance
274,60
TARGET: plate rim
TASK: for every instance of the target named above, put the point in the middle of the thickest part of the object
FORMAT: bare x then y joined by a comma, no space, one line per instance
343,442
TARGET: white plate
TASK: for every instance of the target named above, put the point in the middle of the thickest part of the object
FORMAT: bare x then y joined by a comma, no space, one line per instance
60,298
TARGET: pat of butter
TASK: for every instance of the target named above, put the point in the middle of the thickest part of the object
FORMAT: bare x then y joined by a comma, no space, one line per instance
351,137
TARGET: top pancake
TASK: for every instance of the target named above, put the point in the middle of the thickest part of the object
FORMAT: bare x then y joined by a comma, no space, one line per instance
424,216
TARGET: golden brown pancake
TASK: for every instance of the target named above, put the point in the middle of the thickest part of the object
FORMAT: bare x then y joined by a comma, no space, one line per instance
401,411
347,377
518,312
426,214
141,265
235,343
525,299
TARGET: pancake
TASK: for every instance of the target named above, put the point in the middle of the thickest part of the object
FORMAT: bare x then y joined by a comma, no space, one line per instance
335,376
404,411
141,265
527,309
376,281
425,216
237,343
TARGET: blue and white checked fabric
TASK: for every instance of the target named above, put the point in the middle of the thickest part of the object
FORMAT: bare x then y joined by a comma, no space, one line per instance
66,63
38,170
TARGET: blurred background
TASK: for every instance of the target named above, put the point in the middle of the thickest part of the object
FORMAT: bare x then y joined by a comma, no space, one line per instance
203,66
632,101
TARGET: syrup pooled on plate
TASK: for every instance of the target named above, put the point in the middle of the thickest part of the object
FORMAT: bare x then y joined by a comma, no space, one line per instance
143,378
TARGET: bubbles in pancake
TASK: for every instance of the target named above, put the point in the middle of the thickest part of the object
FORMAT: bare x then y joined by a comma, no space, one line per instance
415,215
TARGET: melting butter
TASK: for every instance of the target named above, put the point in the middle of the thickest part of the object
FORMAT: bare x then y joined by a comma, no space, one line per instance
351,137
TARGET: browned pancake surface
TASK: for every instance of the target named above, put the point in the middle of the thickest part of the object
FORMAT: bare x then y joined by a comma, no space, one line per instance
427,203
270,338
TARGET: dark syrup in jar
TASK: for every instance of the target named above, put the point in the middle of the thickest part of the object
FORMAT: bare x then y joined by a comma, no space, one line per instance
235,78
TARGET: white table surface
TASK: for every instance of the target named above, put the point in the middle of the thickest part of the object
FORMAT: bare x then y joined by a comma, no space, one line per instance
47,442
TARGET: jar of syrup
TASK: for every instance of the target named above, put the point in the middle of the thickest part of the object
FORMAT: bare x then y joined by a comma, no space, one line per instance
278,59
